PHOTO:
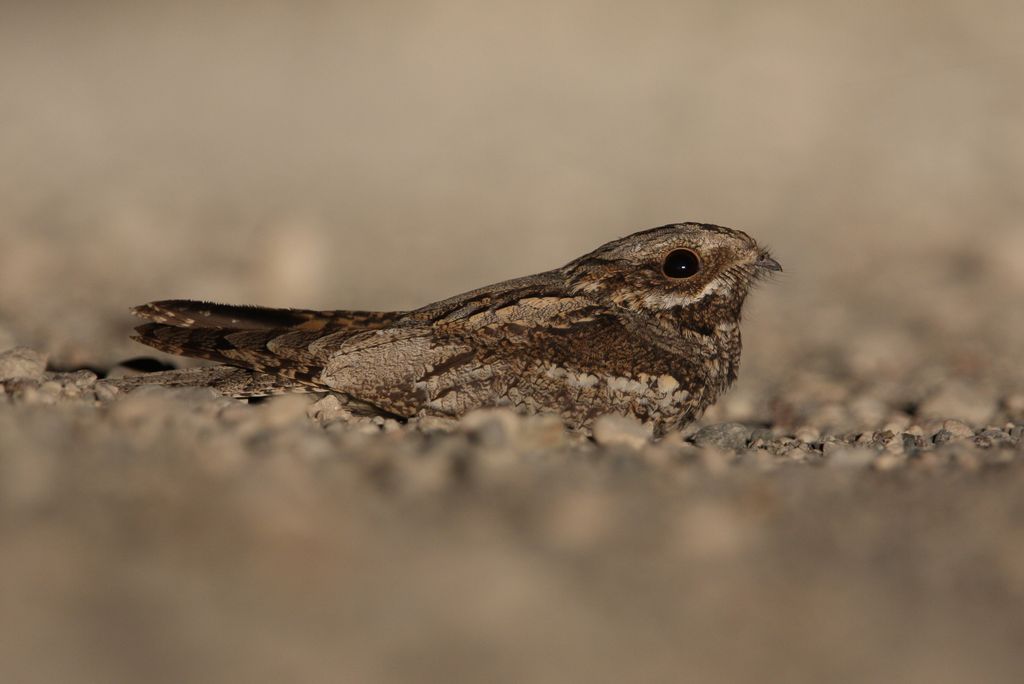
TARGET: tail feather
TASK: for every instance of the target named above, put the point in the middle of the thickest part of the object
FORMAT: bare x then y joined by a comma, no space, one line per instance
194,314
242,348
272,341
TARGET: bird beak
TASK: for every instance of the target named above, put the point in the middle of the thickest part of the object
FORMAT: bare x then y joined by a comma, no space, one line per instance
768,264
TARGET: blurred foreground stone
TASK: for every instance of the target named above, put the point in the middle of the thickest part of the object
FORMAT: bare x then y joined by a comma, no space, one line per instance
174,535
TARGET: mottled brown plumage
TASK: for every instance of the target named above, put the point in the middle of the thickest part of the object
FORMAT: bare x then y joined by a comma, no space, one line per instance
647,326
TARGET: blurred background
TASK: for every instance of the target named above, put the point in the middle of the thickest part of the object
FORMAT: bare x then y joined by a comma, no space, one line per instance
346,154
383,155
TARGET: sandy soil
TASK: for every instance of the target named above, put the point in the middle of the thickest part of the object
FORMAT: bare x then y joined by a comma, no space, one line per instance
852,510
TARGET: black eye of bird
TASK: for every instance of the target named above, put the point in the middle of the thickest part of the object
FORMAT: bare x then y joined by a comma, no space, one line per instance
681,263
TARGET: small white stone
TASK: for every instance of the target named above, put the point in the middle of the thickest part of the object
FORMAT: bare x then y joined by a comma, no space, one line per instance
105,391
614,430
22,363
328,410
492,425
958,429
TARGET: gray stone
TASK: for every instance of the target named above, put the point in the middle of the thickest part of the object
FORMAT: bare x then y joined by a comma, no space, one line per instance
991,438
807,434
83,379
912,442
725,436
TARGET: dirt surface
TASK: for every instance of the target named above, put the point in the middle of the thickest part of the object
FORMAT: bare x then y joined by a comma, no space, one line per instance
850,512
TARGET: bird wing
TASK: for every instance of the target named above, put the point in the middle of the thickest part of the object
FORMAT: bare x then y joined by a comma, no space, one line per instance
397,361
459,362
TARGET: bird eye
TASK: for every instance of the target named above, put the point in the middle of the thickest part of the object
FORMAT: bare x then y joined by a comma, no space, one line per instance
681,263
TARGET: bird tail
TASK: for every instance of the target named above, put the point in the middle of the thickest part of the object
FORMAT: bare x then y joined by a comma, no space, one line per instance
273,342
184,313
270,341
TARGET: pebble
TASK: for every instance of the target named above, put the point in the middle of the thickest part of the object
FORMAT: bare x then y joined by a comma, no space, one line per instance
492,427
30,394
612,430
796,454
883,437
329,410
960,401
807,434
82,379
725,436
543,431
912,442
895,446
51,388
903,439
990,438
105,391
929,428
958,429
897,422
22,363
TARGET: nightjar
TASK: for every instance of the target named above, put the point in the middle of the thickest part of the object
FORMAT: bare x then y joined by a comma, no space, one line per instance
644,326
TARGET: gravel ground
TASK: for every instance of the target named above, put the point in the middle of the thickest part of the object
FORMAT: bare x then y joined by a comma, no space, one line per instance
173,535
850,512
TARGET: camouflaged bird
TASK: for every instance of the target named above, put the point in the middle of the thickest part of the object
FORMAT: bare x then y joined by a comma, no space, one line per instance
644,326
